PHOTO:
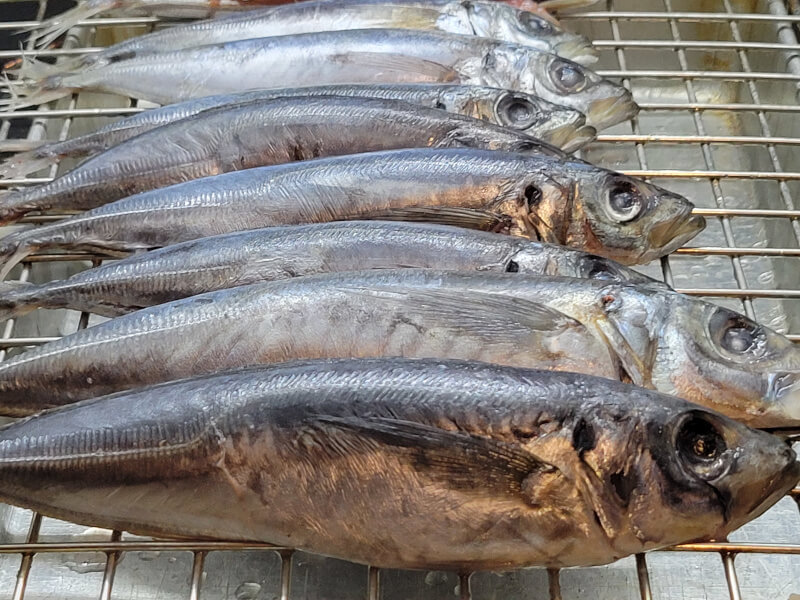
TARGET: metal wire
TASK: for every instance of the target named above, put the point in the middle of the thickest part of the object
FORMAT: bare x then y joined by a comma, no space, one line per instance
703,138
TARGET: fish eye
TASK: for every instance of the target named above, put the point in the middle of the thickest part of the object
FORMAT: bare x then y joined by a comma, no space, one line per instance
516,111
701,446
567,76
735,334
533,24
625,201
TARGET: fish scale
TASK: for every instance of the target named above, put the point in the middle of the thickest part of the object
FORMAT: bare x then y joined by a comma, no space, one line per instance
255,134
323,455
558,125
336,57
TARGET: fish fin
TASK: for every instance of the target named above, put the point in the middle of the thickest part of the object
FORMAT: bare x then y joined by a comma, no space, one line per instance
635,362
51,29
481,312
460,460
35,82
459,217
427,70
15,299
14,248
27,161
12,208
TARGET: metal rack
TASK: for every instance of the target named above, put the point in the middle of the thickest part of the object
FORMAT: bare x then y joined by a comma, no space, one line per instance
717,81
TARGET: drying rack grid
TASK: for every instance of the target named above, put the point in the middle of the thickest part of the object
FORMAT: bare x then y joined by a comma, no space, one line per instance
718,84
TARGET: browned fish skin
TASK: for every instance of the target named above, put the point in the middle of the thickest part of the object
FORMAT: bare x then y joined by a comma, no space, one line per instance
404,464
259,133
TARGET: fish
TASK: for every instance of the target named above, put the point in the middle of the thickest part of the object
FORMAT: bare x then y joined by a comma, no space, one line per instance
328,58
569,203
322,316
241,258
398,463
253,134
51,29
559,126
657,339
493,20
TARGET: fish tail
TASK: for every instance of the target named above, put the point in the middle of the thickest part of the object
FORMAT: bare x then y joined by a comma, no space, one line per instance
29,161
47,32
16,299
13,206
14,248
35,82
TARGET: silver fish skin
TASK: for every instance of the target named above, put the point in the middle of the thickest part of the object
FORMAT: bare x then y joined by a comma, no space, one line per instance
485,19
254,134
658,339
397,463
228,260
335,57
560,126
545,198
53,27
322,316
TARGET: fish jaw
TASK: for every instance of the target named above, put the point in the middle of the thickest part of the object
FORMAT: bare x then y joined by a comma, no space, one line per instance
674,225
783,399
570,139
766,472
615,106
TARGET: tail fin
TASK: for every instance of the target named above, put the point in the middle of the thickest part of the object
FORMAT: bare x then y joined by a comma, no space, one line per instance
29,161
35,82
12,207
16,299
45,34
15,247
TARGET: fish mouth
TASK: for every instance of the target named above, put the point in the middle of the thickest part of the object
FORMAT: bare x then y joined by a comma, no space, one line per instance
570,139
578,49
776,487
783,398
610,111
671,235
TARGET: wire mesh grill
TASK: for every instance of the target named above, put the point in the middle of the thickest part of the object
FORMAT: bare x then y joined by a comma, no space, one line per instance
718,84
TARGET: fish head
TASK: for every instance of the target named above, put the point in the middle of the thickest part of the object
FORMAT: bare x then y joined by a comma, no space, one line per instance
704,475
503,22
616,216
560,126
556,261
722,359
565,82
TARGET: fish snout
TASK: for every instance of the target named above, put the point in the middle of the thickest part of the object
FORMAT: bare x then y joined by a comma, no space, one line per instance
767,470
614,107
783,397
674,231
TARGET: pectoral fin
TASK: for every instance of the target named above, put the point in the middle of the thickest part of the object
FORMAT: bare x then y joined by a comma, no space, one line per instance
461,460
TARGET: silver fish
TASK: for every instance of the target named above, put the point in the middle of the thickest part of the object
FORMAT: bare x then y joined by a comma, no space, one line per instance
312,317
560,126
56,26
334,57
228,260
493,20
555,201
258,133
400,463
657,339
